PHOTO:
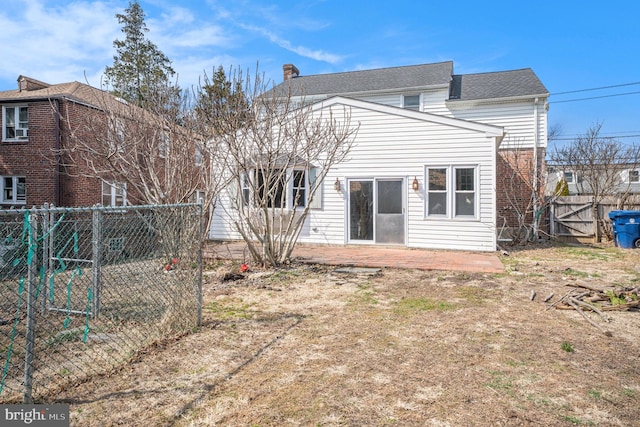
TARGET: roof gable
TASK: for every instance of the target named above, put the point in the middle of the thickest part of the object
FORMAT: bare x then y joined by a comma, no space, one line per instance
488,130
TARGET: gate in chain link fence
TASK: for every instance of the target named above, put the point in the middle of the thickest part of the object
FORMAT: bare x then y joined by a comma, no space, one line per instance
83,290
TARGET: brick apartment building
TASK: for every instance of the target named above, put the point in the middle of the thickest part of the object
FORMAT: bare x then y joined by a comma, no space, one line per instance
37,119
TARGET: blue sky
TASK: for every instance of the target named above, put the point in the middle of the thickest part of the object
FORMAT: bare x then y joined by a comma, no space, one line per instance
571,45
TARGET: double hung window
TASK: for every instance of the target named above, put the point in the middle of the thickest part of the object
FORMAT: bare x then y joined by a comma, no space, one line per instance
451,191
13,190
278,188
15,123
114,194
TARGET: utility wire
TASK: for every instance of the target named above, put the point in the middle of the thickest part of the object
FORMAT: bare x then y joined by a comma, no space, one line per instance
594,97
595,88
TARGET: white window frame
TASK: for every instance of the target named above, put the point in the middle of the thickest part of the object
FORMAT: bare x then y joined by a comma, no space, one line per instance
116,135
452,192
429,191
18,125
633,175
198,196
110,190
247,188
198,156
164,145
569,177
411,107
17,197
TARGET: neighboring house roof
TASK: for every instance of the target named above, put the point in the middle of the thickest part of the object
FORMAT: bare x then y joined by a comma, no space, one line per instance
30,89
412,76
462,87
502,84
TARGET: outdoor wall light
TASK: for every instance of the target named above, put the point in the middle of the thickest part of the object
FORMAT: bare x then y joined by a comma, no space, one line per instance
336,185
415,184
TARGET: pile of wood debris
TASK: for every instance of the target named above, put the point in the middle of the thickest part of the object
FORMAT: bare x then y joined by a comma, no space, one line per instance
584,297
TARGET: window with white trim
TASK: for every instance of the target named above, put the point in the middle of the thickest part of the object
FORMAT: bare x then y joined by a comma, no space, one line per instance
437,191
465,189
116,135
411,102
14,190
634,175
164,145
114,194
569,177
198,197
451,191
198,156
288,189
15,123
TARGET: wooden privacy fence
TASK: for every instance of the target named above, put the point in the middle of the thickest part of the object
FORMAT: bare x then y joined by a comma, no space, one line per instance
572,217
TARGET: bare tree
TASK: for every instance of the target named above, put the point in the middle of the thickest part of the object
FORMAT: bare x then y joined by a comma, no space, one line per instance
161,154
601,166
278,154
520,193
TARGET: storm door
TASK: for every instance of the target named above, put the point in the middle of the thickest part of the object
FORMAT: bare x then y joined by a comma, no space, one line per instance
376,211
389,223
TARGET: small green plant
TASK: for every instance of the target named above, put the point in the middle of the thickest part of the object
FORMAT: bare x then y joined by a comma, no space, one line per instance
566,346
472,294
227,310
615,299
411,305
628,392
595,394
576,273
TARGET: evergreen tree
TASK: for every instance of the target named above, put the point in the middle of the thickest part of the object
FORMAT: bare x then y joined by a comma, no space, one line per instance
221,100
140,71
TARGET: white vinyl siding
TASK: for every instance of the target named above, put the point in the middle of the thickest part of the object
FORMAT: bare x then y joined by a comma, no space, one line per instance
517,119
398,144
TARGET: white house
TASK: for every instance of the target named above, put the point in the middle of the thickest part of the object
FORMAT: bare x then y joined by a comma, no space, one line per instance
424,168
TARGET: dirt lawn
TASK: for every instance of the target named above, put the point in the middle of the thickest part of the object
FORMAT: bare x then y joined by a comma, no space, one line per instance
308,346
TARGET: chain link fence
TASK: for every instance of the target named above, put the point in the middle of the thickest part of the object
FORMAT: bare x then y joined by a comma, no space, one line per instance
83,290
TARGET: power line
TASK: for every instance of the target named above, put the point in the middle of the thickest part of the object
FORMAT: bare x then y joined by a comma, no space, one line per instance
594,97
596,88
602,137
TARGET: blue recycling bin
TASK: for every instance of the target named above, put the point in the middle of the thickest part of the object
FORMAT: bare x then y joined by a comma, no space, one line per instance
626,228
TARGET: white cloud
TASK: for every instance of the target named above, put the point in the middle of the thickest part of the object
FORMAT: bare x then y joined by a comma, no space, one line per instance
57,44
318,55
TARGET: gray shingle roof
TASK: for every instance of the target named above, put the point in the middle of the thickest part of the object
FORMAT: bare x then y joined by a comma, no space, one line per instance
74,90
502,84
412,76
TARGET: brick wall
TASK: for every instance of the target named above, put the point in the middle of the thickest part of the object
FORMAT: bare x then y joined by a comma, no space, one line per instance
37,159
34,158
515,184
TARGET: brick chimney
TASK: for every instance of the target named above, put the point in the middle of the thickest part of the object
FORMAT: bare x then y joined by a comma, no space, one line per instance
27,83
290,71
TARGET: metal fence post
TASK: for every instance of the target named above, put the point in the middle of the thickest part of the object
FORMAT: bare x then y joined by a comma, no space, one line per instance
199,278
32,286
96,243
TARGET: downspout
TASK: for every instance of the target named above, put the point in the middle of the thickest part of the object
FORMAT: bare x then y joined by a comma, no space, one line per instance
58,174
536,136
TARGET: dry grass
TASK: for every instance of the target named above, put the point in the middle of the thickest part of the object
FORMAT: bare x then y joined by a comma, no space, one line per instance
307,346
